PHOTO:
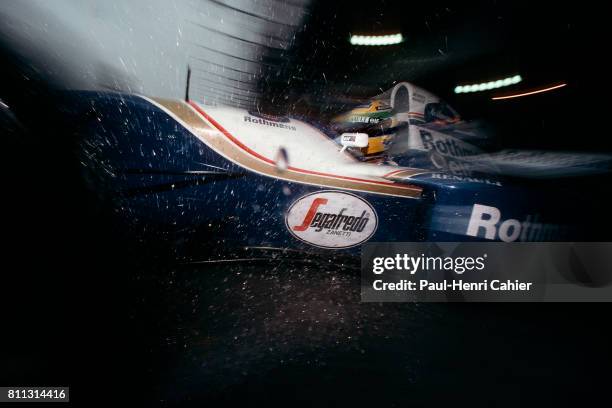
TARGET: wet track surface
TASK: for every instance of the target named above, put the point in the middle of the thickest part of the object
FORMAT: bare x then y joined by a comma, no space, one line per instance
273,335
277,334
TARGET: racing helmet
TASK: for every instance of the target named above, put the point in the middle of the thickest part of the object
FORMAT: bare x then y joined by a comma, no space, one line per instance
375,118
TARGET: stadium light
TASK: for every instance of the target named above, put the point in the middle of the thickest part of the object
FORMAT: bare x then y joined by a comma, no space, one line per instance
485,86
377,40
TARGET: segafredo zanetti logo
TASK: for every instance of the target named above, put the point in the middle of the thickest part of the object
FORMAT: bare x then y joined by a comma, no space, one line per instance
332,219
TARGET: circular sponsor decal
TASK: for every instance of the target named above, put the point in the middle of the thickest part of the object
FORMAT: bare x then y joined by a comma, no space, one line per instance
331,219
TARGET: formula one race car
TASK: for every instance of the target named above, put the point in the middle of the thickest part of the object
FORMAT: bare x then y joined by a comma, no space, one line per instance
229,178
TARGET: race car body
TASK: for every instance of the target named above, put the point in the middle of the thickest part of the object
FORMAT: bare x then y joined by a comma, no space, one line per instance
223,178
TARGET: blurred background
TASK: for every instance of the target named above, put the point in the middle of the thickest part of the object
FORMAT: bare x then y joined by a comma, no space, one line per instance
84,306
297,55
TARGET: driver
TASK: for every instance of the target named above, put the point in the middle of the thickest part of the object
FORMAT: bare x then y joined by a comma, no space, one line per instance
376,120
